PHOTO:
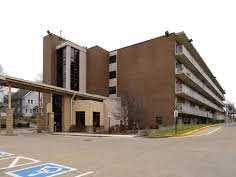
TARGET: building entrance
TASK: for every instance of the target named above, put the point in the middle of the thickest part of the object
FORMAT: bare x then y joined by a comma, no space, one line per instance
80,120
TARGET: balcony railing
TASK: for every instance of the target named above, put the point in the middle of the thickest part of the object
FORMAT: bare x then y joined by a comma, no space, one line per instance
181,50
187,109
183,89
182,69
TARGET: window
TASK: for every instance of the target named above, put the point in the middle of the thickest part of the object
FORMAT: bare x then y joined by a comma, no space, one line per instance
26,110
112,59
61,58
31,101
112,74
74,74
112,90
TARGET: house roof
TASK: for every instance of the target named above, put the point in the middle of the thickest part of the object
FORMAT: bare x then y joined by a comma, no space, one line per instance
19,94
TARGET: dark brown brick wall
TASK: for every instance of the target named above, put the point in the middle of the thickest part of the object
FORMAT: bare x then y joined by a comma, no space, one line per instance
49,65
97,71
49,58
146,72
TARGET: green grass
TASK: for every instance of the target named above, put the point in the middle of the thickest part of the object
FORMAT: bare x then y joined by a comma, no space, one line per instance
181,129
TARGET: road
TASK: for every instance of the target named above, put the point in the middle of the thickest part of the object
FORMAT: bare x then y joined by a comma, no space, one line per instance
211,153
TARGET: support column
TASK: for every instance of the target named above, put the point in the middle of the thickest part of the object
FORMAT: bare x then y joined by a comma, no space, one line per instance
39,117
9,121
9,118
66,119
50,116
40,121
51,122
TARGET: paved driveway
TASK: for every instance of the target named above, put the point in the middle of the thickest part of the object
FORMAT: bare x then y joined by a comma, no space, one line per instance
207,155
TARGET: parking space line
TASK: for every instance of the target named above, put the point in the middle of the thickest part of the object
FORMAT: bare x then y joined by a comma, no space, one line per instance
213,131
84,174
16,159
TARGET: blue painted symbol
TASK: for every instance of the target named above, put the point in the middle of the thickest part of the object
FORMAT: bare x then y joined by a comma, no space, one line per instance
5,154
44,170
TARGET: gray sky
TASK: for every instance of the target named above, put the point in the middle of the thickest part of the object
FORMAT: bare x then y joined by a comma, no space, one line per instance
117,23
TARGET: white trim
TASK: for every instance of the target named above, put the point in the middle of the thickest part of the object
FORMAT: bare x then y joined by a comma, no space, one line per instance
67,67
27,93
113,82
68,43
113,53
113,67
82,72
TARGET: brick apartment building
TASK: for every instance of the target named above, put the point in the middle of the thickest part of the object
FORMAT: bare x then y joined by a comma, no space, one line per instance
157,77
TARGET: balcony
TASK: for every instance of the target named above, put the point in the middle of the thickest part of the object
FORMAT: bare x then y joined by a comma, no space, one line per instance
188,93
185,57
187,76
187,109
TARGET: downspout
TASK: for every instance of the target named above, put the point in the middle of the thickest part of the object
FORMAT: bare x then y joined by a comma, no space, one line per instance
71,108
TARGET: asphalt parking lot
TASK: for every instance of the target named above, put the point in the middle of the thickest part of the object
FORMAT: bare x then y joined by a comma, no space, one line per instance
211,154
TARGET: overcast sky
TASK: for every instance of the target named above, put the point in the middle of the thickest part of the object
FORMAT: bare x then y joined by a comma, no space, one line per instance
116,23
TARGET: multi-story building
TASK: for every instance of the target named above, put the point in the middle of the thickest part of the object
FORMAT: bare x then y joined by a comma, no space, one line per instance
155,77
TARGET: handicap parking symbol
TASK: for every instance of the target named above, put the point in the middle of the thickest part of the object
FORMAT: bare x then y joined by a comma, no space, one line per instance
5,154
44,170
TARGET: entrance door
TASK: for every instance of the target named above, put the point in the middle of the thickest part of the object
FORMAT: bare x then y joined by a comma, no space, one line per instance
96,119
80,120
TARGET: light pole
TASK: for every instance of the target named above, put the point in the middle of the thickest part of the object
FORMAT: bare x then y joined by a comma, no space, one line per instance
176,120
109,122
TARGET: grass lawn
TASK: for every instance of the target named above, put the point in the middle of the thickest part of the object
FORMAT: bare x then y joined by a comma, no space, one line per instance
181,129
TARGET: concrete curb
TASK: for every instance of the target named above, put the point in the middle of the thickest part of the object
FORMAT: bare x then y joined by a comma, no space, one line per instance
94,135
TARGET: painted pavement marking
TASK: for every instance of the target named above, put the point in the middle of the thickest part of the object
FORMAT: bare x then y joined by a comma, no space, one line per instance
43,170
213,131
15,162
84,174
5,154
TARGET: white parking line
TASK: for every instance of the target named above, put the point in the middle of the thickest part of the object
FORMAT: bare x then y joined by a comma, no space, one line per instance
213,131
208,133
84,174
16,159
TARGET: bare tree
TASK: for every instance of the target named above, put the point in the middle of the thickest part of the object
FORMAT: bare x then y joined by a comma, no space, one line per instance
39,78
230,109
1,69
136,114
1,87
122,111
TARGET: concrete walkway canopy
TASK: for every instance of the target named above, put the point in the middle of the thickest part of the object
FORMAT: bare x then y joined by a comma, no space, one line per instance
45,88
67,95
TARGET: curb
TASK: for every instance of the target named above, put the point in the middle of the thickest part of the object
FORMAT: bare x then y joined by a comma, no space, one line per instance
94,135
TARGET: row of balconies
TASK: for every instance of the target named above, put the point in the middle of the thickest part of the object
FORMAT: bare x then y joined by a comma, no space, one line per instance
187,109
187,92
181,69
184,54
